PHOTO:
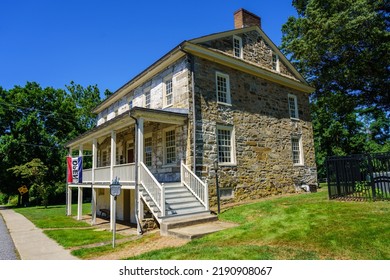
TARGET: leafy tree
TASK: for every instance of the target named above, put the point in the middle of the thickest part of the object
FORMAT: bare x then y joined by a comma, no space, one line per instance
342,45
35,171
343,49
85,99
36,122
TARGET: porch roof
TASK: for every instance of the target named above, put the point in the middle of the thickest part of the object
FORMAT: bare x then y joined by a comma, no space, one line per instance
168,115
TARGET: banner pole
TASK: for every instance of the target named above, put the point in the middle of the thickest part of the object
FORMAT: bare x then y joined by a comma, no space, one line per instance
66,187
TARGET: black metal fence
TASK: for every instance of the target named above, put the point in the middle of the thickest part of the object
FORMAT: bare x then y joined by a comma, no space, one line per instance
359,177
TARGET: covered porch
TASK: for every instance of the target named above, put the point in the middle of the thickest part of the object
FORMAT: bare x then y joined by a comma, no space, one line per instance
143,148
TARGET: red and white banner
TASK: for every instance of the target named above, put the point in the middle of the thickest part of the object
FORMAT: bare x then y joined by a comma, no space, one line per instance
75,169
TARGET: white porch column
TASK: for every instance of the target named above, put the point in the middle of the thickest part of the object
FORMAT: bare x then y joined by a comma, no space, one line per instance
140,158
93,202
80,193
141,208
94,159
113,154
69,202
93,205
80,203
140,140
113,161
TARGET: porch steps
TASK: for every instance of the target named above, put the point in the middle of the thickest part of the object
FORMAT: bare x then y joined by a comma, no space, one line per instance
179,201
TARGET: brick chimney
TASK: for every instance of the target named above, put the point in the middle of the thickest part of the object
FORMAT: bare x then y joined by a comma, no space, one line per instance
244,18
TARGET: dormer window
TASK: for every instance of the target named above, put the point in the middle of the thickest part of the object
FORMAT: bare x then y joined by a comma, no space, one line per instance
237,46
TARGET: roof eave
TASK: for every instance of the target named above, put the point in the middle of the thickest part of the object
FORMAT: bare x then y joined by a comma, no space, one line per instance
142,77
245,67
232,32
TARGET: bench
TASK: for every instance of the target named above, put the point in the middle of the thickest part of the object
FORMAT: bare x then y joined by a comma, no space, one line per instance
105,212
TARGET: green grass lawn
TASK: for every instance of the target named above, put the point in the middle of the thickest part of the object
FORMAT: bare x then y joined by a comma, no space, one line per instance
306,226
66,230
53,216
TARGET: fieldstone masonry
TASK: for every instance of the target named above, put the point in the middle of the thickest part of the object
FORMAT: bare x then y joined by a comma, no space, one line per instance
263,130
255,50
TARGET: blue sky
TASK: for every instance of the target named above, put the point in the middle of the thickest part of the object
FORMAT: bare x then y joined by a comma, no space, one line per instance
54,42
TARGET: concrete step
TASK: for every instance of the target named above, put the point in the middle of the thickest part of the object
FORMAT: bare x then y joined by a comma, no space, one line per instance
198,230
188,220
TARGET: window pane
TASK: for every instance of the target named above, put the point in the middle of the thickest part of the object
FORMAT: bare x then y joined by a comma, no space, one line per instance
275,62
222,89
296,151
170,145
224,145
148,151
237,47
147,99
168,92
292,106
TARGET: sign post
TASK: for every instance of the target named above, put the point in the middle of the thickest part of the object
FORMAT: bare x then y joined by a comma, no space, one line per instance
115,190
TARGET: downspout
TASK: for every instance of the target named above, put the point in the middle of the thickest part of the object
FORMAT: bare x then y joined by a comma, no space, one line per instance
192,67
193,111
139,228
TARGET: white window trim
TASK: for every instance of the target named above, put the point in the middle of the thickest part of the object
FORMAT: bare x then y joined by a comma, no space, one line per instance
145,91
239,39
228,95
301,158
148,135
232,130
165,164
295,106
165,105
277,62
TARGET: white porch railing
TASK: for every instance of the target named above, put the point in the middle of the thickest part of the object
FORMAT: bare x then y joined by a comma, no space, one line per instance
102,174
125,172
195,185
87,175
153,188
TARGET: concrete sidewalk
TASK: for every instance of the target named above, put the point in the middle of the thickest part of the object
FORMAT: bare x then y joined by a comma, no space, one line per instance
30,241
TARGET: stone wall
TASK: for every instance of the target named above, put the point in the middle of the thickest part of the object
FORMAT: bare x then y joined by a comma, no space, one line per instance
255,50
263,130
178,71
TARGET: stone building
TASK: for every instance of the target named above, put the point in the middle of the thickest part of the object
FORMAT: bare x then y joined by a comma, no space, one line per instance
231,98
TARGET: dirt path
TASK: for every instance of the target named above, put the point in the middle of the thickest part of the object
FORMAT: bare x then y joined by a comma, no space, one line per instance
154,242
